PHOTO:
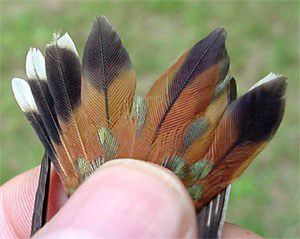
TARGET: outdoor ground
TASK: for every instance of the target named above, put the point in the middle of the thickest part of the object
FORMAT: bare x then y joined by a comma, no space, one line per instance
262,37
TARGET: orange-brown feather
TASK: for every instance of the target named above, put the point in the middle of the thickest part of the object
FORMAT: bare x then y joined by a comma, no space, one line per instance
245,128
156,102
179,95
212,114
124,131
107,92
229,169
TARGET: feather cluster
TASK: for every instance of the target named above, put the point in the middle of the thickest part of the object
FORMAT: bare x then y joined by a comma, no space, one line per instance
85,113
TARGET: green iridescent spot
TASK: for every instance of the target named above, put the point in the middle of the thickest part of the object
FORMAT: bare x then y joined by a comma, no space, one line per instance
178,165
195,191
195,131
83,166
201,169
108,141
86,168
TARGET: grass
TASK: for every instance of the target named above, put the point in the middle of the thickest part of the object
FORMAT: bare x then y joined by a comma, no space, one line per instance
262,37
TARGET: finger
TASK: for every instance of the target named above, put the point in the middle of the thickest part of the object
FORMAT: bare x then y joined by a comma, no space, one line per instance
231,230
126,199
17,201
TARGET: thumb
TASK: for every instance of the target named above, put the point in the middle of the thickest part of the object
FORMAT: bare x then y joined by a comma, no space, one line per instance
126,199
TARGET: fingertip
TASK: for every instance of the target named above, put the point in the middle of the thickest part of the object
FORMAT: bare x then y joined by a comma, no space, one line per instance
17,200
128,199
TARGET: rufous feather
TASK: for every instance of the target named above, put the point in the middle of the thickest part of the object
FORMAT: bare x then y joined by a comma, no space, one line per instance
108,88
244,130
179,95
199,135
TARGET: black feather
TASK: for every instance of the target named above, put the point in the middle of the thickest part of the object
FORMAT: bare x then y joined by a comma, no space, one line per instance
41,197
211,217
201,57
104,57
45,105
259,112
64,77
106,60
40,130
232,91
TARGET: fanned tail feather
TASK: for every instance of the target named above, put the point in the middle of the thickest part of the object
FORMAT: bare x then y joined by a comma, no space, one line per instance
37,79
108,88
82,123
180,94
211,217
199,135
64,80
244,130
24,97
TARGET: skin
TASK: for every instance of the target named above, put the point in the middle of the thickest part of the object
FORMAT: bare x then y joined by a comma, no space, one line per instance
125,199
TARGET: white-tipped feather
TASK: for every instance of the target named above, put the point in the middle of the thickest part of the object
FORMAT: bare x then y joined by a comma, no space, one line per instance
66,42
35,65
23,95
270,77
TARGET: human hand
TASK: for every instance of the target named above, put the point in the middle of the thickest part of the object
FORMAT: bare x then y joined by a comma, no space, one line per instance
125,199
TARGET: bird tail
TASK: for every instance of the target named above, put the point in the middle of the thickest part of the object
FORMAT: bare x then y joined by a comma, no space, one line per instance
189,121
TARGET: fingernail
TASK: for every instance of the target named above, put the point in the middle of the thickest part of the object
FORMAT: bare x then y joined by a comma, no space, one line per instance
127,199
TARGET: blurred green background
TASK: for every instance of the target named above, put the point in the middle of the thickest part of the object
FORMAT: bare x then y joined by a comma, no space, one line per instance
262,37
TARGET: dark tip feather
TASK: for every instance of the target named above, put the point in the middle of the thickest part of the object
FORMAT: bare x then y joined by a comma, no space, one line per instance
202,56
244,130
108,77
64,77
252,118
185,90
259,112
104,57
